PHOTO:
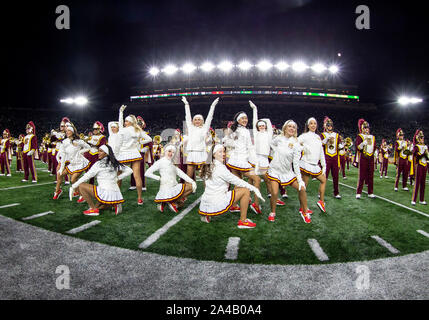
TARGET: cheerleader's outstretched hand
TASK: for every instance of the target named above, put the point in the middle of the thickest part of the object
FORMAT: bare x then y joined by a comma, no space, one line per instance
301,186
252,105
122,108
185,101
258,194
215,102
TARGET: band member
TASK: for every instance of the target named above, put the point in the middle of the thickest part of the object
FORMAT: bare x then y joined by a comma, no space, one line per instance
197,131
73,162
131,135
29,149
262,136
313,153
216,198
344,154
19,145
365,146
107,192
240,156
331,142
5,153
144,147
420,157
157,148
170,192
284,169
384,150
401,160
411,167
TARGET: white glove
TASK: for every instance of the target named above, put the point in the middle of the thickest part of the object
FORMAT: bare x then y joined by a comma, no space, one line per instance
194,186
252,105
185,101
258,193
122,108
29,153
213,103
71,191
301,185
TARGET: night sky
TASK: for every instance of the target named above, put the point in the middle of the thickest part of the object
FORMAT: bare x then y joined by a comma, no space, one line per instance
112,43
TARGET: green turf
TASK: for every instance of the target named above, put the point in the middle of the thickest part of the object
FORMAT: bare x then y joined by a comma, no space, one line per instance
344,233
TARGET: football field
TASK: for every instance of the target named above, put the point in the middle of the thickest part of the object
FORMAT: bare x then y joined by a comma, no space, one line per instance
351,230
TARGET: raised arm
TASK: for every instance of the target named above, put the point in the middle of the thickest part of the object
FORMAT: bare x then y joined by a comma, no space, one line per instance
255,117
209,118
121,116
188,117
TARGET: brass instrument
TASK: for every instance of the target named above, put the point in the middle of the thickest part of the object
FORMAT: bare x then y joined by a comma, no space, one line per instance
157,139
349,142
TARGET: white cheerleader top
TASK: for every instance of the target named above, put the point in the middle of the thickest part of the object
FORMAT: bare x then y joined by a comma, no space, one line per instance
217,186
312,148
241,143
114,139
129,138
197,135
73,150
107,176
168,172
287,153
262,139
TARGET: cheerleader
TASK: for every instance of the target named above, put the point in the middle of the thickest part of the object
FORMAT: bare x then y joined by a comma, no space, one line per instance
5,153
313,154
384,150
30,147
284,169
113,140
143,149
73,162
216,198
130,137
400,160
107,192
262,136
59,135
420,158
197,131
242,153
365,146
170,192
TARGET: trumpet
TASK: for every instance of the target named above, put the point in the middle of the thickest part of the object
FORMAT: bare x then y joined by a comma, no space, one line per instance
157,139
349,142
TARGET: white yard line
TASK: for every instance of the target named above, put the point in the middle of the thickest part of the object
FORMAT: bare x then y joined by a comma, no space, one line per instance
83,227
27,186
317,249
423,233
387,200
9,205
37,215
385,244
232,248
158,233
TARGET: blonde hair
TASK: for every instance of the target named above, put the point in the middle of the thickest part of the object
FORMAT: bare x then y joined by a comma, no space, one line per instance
285,126
134,123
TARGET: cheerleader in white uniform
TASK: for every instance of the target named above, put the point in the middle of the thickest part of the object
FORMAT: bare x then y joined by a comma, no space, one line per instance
243,155
284,169
313,153
216,198
170,192
107,192
197,131
72,160
113,139
130,136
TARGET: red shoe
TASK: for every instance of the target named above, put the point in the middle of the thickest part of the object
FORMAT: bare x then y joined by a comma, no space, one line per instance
140,202
321,205
173,207
306,217
234,209
57,194
247,224
118,208
272,217
81,200
280,203
160,207
75,194
91,212
205,219
256,209
308,211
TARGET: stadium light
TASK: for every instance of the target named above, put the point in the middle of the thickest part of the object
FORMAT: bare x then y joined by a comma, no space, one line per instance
68,100
318,67
207,66
81,101
188,68
225,66
333,69
299,66
264,65
154,71
170,69
404,101
245,65
282,66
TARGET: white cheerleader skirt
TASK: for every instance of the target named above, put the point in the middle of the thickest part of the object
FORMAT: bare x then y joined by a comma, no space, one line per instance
170,194
77,167
262,161
312,169
283,179
217,207
128,156
196,157
108,196
239,164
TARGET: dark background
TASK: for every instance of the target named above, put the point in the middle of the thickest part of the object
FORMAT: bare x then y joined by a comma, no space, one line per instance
112,43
